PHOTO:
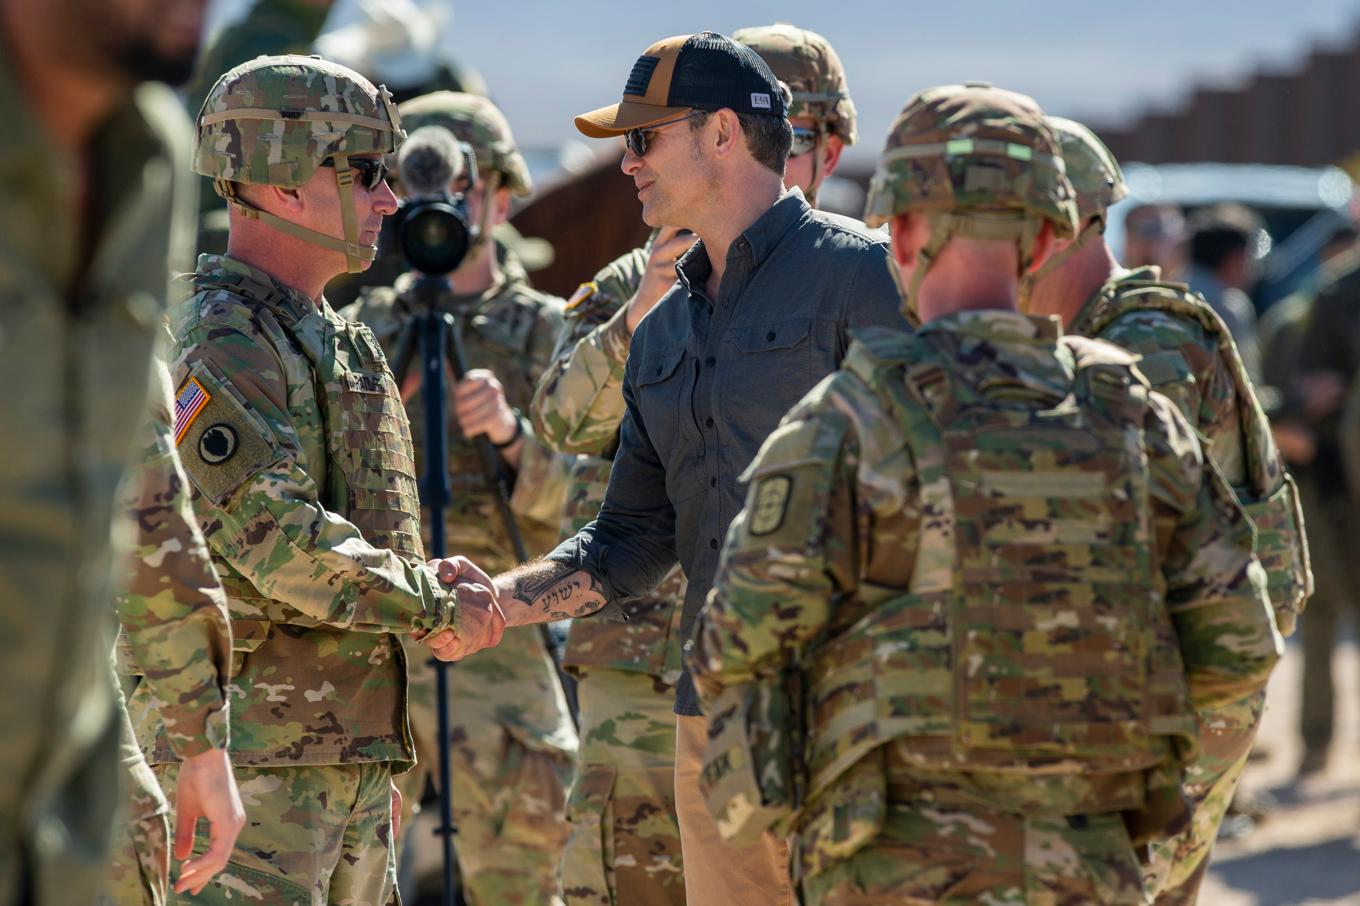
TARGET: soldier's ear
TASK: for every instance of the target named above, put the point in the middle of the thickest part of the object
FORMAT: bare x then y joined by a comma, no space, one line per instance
909,232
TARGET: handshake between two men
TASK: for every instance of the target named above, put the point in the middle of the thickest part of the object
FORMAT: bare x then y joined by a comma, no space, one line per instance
481,621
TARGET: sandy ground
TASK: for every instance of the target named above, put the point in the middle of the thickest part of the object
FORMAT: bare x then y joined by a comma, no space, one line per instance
1308,850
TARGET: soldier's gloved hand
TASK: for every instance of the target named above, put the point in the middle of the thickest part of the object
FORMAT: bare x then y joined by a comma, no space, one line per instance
479,406
206,789
670,244
481,622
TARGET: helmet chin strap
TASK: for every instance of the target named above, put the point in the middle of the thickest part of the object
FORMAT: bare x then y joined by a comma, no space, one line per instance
944,225
1028,282
356,255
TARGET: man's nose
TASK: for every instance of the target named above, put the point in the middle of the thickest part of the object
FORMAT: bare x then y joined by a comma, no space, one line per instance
630,163
384,199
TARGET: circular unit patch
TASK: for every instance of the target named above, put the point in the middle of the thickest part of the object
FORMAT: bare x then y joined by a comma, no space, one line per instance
217,444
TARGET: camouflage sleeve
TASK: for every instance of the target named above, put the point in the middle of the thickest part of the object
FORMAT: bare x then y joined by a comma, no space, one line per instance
174,613
1183,364
578,405
789,556
1215,587
541,484
261,510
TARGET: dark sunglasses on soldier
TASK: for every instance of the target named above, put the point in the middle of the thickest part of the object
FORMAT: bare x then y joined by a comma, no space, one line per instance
804,140
372,171
636,139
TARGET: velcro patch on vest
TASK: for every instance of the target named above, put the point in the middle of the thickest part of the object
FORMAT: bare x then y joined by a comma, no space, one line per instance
769,504
225,443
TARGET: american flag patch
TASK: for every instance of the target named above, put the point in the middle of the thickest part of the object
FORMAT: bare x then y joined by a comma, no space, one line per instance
188,403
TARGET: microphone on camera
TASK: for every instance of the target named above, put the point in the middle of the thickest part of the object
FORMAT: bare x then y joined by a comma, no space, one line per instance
429,161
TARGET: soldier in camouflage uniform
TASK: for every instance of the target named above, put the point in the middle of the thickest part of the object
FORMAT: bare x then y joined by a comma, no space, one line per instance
97,216
176,636
512,738
625,844
984,569
1189,356
293,436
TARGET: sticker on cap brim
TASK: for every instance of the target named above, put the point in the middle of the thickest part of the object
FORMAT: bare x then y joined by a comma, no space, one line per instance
760,100
770,503
583,292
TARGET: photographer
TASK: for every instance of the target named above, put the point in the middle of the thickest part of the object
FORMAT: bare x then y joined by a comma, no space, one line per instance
511,734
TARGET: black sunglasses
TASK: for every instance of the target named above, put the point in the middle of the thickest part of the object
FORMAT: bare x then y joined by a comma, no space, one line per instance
636,139
804,140
372,171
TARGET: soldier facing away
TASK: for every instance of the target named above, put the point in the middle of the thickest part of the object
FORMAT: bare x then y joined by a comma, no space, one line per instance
984,569
512,738
98,202
1189,356
292,433
626,672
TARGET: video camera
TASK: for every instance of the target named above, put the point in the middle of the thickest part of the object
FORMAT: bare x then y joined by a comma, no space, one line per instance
433,229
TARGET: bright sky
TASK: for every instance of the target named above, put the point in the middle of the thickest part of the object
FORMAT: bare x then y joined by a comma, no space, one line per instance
546,60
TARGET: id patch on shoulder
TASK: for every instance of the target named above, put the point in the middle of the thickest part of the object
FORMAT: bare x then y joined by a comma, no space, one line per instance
223,444
769,503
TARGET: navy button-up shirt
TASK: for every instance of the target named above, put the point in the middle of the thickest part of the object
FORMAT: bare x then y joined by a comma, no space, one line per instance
708,380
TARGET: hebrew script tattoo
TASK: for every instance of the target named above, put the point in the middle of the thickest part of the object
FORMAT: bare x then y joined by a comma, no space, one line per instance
558,590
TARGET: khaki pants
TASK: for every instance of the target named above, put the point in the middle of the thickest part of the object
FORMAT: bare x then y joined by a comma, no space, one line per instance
721,874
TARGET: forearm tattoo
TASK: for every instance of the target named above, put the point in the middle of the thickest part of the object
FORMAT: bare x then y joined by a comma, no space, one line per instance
558,590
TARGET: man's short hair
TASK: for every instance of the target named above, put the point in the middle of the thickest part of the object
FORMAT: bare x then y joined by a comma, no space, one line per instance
1221,231
768,138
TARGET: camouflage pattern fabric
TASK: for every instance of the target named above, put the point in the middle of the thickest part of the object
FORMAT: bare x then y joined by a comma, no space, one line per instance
512,738
176,630
807,63
139,871
292,433
842,532
1188,355
313,834
578,405
475,120
83,300
625,840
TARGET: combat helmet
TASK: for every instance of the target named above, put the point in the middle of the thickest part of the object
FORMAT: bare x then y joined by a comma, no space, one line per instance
276,119
977,161
475,120
1098,183
809,65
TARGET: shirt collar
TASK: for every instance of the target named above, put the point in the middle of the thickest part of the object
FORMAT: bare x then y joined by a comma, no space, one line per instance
758,240
223,271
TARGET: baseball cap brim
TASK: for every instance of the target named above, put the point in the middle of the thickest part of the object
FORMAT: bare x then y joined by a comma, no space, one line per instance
617,119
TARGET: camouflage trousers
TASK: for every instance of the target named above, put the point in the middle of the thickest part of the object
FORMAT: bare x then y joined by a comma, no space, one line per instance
139,871
929,853
1178,865
509,785
315,835
625,841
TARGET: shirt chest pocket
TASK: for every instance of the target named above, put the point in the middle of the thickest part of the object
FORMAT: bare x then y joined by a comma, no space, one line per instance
661,392
781,359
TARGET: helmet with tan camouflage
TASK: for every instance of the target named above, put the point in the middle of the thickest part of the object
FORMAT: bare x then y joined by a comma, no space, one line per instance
977,161
275,120
806,62
1091,168
475,120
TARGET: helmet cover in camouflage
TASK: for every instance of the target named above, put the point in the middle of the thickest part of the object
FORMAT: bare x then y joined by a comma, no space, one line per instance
971,147
475,120
1091,168
807,63
274,120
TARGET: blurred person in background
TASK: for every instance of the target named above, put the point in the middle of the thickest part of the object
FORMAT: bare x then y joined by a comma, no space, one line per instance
1154,234
625,843
94,223
1224,243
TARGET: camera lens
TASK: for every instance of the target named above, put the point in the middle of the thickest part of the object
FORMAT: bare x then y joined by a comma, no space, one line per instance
434,236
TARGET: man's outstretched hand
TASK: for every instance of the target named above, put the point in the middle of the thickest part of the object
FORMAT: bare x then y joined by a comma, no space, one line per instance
206,790
481,622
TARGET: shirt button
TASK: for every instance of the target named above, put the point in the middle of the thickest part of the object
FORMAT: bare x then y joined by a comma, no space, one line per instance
713,543
709,422
713,482
710,361
769,336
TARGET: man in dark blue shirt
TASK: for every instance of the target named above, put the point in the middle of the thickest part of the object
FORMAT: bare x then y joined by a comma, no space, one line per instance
763,310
